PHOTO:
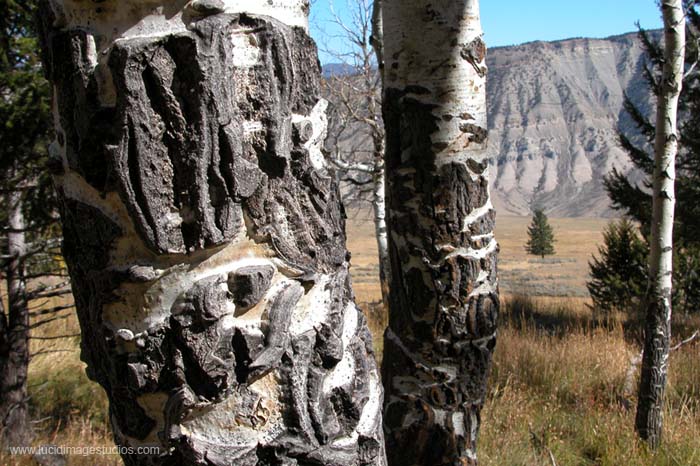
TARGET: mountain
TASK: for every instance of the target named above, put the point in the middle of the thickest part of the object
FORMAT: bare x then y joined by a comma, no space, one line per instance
330,70
553,109
553,112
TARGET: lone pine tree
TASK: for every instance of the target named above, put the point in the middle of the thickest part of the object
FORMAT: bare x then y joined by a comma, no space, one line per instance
204,233
443,295
540,236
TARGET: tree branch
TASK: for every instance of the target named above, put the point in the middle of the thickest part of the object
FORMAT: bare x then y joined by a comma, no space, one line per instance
688,340
55,337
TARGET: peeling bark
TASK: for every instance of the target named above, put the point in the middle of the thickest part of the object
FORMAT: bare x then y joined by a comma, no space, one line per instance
658,302
444,295
205,236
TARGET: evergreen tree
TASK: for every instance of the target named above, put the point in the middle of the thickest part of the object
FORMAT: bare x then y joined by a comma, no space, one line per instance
619,274
541,236
29,247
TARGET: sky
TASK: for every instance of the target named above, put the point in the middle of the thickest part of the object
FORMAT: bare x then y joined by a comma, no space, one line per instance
510,22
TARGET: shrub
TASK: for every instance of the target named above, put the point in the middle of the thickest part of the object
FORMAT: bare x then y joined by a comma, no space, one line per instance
619,275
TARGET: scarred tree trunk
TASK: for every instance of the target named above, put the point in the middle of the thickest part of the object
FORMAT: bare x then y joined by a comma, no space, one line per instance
649,419
14,340
444,297
204,235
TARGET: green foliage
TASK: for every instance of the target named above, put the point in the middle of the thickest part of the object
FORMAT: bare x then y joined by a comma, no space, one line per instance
25,110
25,128
686,283
541,236
619,274
635,200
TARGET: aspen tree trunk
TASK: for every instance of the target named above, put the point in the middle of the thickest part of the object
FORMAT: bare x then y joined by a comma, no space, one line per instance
649,419
379,209
380,227
444,295
15,428
204,233
379,177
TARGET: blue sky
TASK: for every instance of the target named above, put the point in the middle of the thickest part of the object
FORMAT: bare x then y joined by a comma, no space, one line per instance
508,22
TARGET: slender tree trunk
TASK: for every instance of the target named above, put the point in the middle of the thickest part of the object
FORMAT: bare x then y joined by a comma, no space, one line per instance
14,345
380,227
377,38
444,296
204,234
378,184
378,144
649,420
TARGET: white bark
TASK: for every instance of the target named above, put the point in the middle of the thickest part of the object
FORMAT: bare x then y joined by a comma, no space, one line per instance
380,225
649,420
377,39
666,148
460,75
127,18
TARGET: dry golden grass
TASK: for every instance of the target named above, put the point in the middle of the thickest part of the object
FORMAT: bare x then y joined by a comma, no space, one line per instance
557,383
68,409
563,274
568,390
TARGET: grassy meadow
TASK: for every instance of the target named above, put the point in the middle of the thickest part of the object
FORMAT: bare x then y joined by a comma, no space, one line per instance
561,382
561,389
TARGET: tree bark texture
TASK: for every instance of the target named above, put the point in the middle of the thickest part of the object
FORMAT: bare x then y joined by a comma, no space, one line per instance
649,419
205,236
15,426
444,295
380,226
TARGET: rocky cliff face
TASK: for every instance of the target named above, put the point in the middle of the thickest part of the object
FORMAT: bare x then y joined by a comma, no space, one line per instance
553,112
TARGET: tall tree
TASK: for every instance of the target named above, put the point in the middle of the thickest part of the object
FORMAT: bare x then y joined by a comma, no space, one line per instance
204,233
357,111
540,235
658,300
444,296
635,200
28,236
